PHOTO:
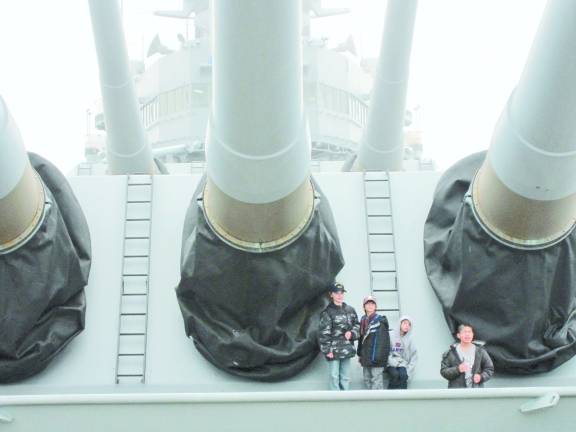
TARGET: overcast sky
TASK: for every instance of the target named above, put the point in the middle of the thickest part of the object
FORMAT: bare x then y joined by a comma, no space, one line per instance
467,56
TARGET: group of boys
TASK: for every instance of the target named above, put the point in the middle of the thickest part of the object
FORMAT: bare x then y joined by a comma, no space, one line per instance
380,351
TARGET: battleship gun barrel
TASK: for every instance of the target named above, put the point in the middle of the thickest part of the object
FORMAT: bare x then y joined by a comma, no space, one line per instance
499,241
21,191
382,145
258,190
128,151
258,230
525,192
44,258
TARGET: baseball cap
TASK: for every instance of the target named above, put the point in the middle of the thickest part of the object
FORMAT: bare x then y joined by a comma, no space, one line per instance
337,287
368,299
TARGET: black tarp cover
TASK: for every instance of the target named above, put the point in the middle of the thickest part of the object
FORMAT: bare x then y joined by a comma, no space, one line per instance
256,315
521,302
42,303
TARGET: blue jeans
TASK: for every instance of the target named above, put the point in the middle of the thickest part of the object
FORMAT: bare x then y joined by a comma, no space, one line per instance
339,374
398,378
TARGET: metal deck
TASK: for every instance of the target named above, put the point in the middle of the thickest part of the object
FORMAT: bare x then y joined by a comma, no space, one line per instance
82,380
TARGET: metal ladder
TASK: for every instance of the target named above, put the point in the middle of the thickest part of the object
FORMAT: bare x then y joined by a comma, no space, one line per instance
381,248
133,320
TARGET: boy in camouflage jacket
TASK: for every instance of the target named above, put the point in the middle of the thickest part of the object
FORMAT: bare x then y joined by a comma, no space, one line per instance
339,327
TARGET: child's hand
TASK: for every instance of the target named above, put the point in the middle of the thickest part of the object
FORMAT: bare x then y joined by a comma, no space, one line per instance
330,355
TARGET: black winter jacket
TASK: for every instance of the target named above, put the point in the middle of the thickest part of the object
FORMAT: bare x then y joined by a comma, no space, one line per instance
451,360
334,322
374,342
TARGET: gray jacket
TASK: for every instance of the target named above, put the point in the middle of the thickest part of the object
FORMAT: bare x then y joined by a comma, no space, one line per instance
451,360
403,351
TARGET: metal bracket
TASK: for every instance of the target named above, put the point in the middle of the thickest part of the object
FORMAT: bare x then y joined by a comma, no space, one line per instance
5,417
545,401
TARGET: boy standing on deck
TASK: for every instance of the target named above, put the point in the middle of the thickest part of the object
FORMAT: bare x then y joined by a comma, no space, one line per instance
466,364
373,345
403,355
338,329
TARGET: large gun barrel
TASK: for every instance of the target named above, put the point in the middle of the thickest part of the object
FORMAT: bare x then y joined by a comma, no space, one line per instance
128,151
44,258
258,191
21,191
525,192
265,235
382,145
499,240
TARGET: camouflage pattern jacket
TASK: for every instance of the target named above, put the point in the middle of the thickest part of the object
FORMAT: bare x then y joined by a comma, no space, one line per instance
334,322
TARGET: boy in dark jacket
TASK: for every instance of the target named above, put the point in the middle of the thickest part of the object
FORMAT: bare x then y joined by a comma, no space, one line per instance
373,345
466,364
338,329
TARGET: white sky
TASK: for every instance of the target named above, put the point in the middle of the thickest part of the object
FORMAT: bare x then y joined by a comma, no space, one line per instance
467,56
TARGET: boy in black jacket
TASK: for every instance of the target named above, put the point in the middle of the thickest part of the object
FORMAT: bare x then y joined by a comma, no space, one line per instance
466,364
373,345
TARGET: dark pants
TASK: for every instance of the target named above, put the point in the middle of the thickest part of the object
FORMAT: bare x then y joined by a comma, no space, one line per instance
398,378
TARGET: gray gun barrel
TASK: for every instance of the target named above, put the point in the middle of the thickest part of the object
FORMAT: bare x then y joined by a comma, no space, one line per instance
128,151
258,193
21,191
382,145
525,192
